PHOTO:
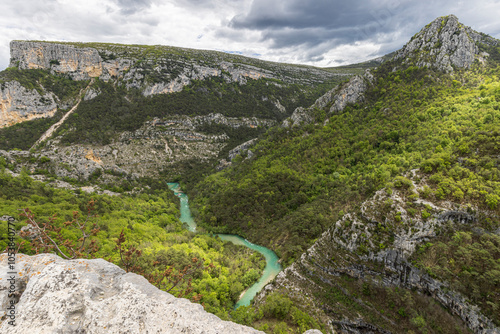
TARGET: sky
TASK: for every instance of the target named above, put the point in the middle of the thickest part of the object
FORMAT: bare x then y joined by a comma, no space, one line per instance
322,33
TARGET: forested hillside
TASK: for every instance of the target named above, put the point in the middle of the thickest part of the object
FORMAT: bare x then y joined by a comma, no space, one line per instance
379,192
413,118
148,222
172,108
426,135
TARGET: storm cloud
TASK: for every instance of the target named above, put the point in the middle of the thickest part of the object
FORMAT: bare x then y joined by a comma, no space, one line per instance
314,32
329,24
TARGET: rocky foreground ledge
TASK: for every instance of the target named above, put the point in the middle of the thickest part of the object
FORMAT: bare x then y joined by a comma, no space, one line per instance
95,296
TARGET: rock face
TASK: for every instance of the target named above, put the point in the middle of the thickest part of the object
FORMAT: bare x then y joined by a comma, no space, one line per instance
95,296
18,104
358,327
406,275
75,162
337,253
443,44
79,63
194,71
352,92
241,148
300,116
333,101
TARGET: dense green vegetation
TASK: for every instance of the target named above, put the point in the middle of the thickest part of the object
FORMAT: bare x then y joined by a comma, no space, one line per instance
302,179
117,109
192,171
470,262
278,315
414,118
23,135
150,224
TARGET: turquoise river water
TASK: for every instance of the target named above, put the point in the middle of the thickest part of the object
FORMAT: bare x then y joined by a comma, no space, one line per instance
272,265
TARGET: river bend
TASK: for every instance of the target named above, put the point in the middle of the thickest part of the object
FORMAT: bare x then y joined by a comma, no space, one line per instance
272,268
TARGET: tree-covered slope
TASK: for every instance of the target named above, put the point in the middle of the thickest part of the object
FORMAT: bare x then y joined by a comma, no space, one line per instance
415,118
149,222
159,108
439,119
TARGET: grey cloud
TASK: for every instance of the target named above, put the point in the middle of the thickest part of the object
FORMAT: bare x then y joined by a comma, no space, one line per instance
314,27
299,14
320,20
208,4
129,7
194,3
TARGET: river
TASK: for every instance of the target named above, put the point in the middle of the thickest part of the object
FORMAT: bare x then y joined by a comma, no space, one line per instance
272,265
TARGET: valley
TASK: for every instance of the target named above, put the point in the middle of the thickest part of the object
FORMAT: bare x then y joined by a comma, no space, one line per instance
374,189
271,269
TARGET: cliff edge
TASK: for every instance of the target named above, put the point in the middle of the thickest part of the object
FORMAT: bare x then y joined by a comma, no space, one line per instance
94,296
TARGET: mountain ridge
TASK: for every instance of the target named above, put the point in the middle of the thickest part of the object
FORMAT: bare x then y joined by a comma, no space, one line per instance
444,44
381,194
405,138
152,69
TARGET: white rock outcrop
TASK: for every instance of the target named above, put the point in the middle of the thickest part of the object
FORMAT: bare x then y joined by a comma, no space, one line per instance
444,44
79,63
351,92
95,296
18,104
241,148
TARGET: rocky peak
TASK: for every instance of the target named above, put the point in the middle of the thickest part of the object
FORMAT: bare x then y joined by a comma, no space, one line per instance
444,44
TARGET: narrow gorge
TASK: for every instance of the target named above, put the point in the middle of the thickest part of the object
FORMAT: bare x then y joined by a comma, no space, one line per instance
357,199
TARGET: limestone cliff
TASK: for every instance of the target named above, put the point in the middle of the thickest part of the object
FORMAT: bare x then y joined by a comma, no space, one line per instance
155,69
18,104
95,296
80,64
